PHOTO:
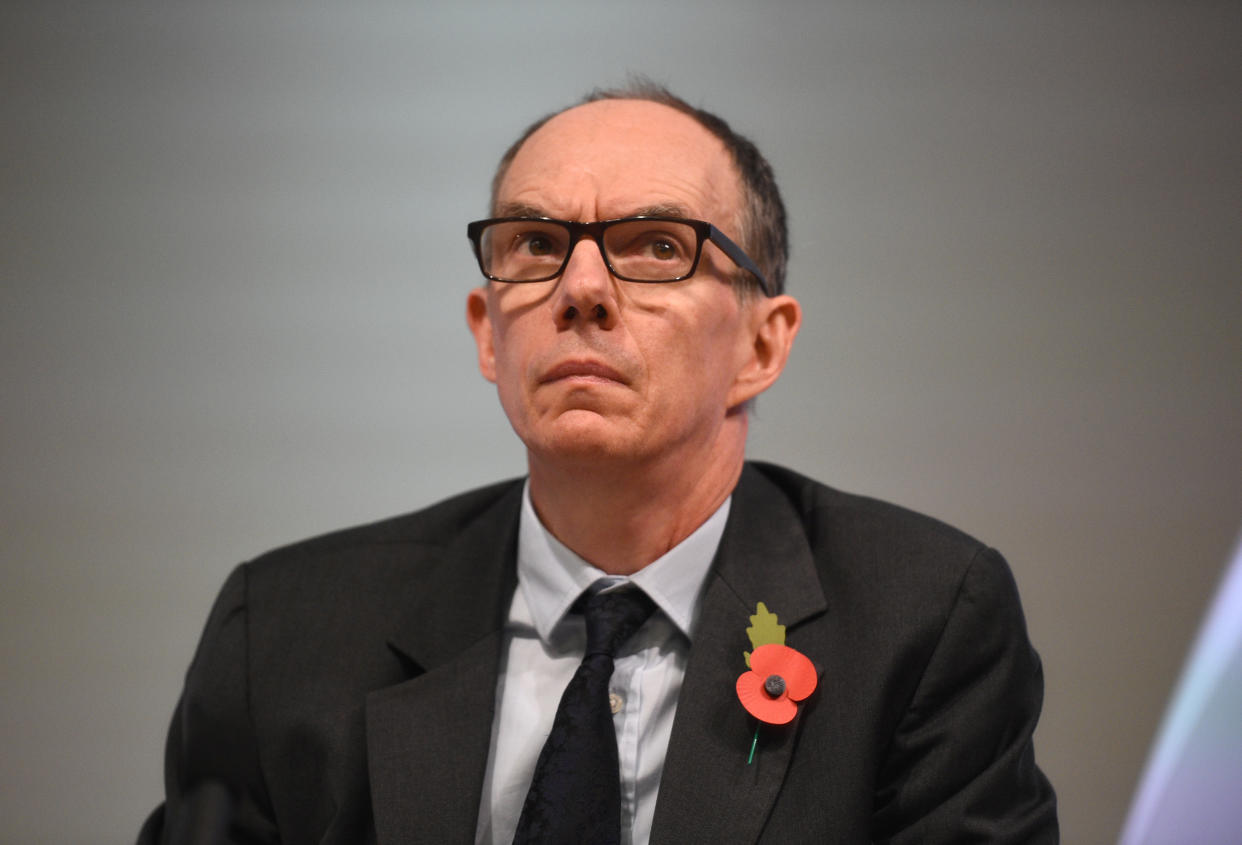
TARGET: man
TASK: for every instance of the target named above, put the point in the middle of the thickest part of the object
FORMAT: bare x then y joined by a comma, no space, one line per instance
399,682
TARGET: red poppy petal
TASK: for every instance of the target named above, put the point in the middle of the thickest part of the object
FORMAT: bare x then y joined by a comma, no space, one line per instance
792,665
800,676
766,660
774,711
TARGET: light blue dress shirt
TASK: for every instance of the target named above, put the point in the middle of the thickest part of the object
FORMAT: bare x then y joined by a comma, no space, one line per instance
543,646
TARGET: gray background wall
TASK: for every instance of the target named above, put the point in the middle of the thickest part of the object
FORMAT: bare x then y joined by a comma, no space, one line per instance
234,264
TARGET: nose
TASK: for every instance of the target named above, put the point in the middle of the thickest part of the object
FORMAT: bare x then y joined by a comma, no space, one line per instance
586,291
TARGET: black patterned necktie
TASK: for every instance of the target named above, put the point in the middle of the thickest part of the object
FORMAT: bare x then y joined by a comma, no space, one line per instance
575,795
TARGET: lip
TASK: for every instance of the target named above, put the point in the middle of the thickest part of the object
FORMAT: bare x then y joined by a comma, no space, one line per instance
582,369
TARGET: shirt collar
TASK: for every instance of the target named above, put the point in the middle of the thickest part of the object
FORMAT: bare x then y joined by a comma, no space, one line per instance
551,576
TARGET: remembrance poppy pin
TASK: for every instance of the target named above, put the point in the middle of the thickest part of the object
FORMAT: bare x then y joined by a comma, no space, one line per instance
779,676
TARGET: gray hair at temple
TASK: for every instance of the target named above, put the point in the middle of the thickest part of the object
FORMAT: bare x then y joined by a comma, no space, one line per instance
764,234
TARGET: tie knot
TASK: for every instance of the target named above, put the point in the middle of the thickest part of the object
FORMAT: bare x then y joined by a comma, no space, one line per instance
612,618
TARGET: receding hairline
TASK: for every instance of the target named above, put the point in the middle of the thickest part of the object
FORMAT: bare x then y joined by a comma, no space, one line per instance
511,155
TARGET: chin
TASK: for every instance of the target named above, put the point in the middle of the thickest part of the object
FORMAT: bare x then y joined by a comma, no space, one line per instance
580,434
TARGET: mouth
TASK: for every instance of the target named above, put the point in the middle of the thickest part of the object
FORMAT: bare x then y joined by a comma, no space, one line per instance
583,371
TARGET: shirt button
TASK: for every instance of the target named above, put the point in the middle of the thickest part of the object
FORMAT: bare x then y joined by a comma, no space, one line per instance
615,703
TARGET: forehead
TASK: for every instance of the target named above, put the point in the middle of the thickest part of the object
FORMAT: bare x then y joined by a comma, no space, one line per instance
613,158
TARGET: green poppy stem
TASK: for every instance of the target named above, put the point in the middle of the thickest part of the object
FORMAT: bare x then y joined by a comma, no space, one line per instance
753,743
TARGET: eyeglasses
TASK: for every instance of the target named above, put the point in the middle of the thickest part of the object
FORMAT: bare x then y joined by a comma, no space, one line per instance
636,249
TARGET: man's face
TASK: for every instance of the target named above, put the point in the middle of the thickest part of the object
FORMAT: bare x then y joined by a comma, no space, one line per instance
593,367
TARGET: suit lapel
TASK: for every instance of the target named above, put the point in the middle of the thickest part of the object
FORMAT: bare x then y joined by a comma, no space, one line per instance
708,792
428,738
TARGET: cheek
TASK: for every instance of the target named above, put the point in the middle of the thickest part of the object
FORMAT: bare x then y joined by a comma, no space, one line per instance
699,360
516,349
508,341
714,343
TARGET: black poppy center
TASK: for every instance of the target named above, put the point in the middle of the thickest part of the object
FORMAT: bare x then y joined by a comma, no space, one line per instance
774,686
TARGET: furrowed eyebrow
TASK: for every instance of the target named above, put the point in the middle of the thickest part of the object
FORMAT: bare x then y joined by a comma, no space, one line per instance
519,209
669,210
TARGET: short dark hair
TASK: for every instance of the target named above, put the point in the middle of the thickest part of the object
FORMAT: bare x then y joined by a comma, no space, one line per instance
763,230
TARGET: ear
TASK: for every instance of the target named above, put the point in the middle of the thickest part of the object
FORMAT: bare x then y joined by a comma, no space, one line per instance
480,323
773,324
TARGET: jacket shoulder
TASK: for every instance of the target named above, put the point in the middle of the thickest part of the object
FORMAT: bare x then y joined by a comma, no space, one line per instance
835,518
386,563
436,525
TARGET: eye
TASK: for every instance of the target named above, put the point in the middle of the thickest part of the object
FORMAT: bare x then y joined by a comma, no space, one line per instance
537,244
663,249
662,245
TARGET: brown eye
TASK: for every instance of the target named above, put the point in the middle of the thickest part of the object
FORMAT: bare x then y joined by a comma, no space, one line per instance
663,250
538,245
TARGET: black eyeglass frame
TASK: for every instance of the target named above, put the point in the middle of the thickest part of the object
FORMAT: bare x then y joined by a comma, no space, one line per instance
595,230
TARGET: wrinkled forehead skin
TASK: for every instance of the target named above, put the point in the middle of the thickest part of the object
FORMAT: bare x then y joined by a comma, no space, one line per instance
615,158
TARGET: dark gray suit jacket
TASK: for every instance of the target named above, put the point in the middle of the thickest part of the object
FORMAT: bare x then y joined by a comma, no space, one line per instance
344,686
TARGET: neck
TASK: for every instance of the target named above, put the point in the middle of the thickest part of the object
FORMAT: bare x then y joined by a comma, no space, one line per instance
622,515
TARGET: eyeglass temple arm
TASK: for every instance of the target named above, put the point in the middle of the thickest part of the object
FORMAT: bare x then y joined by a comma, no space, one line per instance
739,258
